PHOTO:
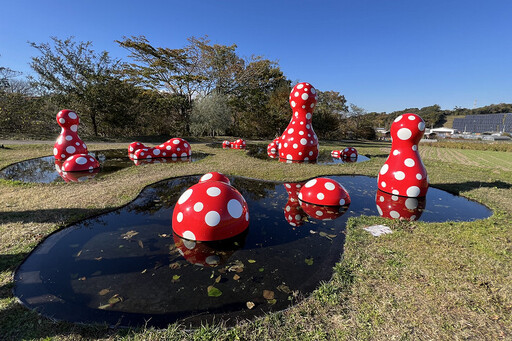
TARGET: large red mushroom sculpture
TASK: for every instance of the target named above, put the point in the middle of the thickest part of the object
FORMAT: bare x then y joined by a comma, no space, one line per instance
68,143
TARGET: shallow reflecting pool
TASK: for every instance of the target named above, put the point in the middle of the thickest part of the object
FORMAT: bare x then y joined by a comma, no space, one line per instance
324,157
128,268
47,170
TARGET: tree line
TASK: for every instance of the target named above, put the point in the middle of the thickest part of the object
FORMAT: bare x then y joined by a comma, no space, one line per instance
196,90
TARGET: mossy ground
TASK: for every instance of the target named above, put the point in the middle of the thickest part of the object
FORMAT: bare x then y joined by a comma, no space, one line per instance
424,281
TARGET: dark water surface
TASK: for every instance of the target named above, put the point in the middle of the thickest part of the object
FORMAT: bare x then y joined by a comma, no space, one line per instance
128,268
44,169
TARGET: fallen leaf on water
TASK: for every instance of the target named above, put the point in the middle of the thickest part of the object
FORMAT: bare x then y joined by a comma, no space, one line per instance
332,235
236,277
217,280
272,301
309,261
82,278
129,234
99,258
144,271
105,306
213,291
141,244
284,288
261,269
79,253
237,267
175,265
250,305
104,292
175,278
312,232
322,234
268,294
115,299
251,261
164,235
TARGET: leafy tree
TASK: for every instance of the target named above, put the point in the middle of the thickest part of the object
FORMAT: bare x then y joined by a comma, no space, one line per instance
330,109
76,71
211,115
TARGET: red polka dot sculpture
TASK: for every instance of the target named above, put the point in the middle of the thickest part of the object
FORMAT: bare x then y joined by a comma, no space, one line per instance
337,154
226,144
404,173
215,176
324,192
210,210
273,149
80,163
173,148
293,213
238,144
398,207
299,141
68,143
349,153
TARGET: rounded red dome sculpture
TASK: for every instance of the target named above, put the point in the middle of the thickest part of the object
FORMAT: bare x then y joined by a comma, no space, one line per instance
79,163
404,173
397,207
238,144
210,210
273,149
324,192
68,143
215,176
173,148
299,141
337,154
350,153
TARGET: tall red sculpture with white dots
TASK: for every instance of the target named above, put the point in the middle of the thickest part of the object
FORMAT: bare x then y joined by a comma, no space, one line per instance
403,173
299,141
68,143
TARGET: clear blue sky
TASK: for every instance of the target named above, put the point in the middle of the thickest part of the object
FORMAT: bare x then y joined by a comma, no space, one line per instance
383,55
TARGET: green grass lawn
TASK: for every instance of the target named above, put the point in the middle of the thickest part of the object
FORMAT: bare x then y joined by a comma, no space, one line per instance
426,281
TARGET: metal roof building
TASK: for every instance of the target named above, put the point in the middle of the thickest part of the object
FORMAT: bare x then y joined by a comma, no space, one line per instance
484,123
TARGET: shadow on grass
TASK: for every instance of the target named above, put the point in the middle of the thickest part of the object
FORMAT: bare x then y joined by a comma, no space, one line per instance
456,188
49,215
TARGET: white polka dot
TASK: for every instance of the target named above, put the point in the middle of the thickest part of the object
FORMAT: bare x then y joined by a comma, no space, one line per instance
394,214
168,147
293,104
156,151
413,191
247,216
311,153
212,218
290,131
319,213
329,186
313,91
395,191
179,217
70,149
381,198
212,260
415,147
176,142
207,176
303,141
398,118
412,218
55,151
296,94
308,116
310,183
69,138
404,134
384,169
189,235
72,115
421,126
198,207
304,96
411,203
295,145
396,152
301,132
81,160
300,86
61,120
297,217
289,157
418,176
320,196
412,117
394,198
288,208
185,145
184,197
409,162
184,154
342,202
285,144
380,210
213,191
174,155
383,184
300,196
74,128
235,209
62,155
399,175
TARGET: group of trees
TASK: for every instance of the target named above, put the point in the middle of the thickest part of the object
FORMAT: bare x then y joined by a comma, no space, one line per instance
199,89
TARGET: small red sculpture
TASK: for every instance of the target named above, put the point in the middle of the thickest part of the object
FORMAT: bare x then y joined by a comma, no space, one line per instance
173,148
398,207
79,163
324,192
273,148
210,210
215,176
337,154
68,143
238,144
226,144
350,153
404,173
299,141
293,213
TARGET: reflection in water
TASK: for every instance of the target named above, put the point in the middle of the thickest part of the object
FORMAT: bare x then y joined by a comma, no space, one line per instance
324,157
323,212
293,213
47,170
397,207
126,267
148,161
